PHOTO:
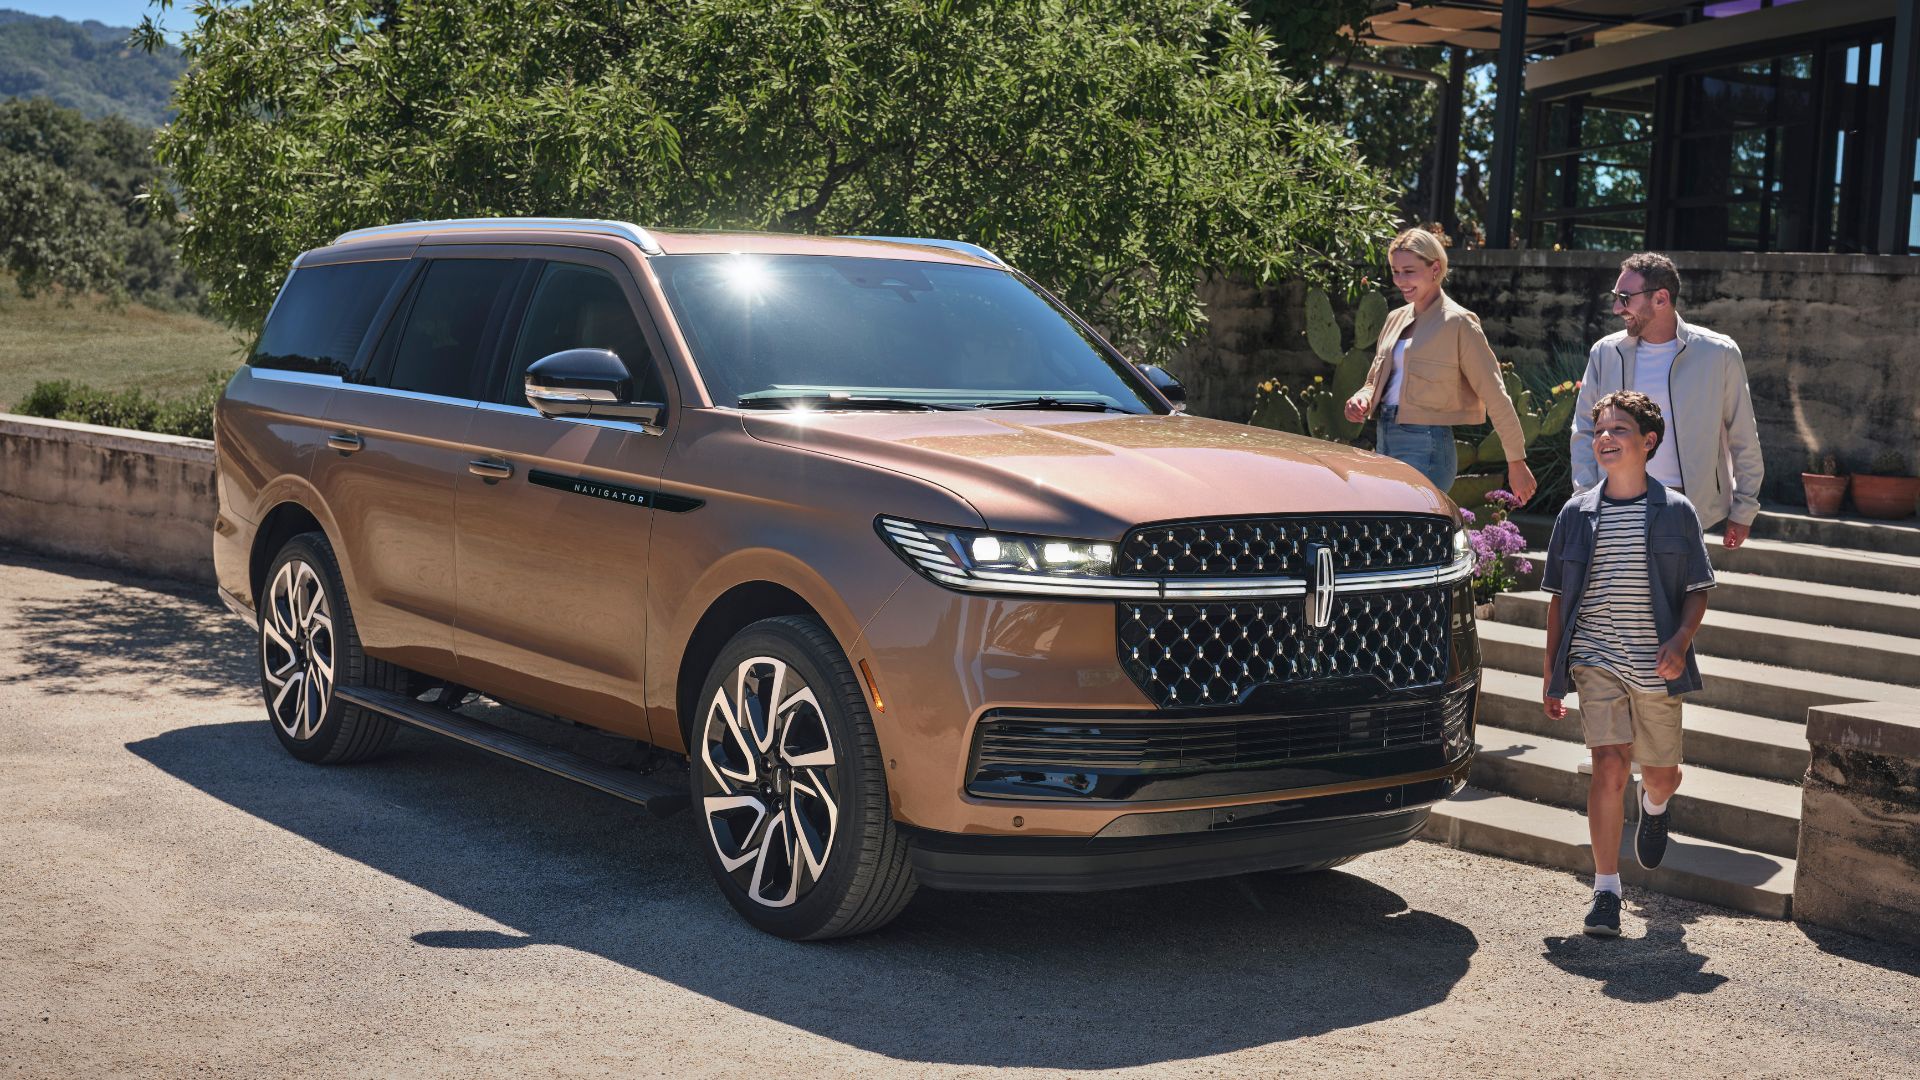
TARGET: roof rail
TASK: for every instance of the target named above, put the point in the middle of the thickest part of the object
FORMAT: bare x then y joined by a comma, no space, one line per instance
623,229
951,245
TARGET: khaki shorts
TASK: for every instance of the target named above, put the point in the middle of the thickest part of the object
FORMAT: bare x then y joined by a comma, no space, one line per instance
1614,714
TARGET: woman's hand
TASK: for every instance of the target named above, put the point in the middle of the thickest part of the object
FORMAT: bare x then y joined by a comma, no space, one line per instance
1357,406
1520,481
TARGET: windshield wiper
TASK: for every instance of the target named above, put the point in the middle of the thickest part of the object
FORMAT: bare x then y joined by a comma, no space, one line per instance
1051,403
822,401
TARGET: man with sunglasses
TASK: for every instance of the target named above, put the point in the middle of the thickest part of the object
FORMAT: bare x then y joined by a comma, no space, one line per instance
1698,380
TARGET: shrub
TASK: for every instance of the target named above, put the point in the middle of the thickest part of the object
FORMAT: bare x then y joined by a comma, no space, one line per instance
190,415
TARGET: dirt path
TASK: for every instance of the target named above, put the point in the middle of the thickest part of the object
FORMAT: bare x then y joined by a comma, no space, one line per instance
178,897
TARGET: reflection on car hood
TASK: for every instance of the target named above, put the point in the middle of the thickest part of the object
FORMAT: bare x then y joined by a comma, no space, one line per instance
1096,475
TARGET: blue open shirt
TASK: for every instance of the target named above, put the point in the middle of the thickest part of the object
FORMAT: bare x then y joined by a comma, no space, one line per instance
1676,565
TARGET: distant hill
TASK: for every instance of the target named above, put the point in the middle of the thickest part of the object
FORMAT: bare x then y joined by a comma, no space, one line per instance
86,66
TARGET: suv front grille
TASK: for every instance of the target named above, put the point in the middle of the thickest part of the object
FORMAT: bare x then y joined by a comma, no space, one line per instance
1123,758
1184,655
1277,546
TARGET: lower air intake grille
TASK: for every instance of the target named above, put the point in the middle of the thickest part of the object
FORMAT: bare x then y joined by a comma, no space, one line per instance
1059,757
1183,655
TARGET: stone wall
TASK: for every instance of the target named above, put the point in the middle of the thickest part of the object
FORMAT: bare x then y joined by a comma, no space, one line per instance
1858,866
1828,340
130,499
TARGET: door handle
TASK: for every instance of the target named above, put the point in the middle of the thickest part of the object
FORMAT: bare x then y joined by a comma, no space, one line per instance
490,468
344,441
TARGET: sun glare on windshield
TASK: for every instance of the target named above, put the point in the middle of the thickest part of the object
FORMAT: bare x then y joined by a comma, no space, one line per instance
747,276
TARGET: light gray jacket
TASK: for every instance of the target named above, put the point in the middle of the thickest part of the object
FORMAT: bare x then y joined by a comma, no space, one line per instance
1711,428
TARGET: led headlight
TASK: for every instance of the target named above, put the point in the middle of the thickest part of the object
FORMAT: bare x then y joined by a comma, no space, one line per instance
1461,565
1008,563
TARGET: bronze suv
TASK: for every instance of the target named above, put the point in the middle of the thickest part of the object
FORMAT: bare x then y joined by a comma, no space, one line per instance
896,572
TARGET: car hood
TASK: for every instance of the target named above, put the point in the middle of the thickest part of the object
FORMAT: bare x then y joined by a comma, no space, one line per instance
1096,475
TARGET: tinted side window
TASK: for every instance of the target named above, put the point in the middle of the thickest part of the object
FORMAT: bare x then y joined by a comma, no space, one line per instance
322,315
454,308
579,307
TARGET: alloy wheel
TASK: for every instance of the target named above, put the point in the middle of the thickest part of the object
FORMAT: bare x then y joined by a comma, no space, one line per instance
296,649
769,782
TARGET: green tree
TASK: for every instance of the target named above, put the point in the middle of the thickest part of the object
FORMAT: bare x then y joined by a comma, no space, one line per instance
74,210
1117,150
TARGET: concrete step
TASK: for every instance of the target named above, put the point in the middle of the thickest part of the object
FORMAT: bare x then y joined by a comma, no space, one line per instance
1729,741
1874,610
1712,805
1694,869
1859,654
1814,564
1795,525
1740,686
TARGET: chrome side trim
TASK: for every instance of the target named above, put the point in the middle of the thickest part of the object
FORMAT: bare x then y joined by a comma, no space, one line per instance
625,230
951,245
521,410
410,395
308,378
240,610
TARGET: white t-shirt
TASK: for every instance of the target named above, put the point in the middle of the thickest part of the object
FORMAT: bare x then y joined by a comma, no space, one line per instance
1652,364
1399,372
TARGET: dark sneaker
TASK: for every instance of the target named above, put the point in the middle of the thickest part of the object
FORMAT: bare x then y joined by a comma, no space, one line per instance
1650,839
1603,920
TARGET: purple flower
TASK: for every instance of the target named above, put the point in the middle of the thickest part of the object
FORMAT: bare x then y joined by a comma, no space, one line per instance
1467,516
1503,498
1522,567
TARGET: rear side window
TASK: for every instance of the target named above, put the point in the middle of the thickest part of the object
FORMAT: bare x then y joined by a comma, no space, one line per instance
579,307
457,304
321,316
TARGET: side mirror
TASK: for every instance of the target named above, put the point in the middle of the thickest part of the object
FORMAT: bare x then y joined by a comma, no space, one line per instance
588,383
1168,386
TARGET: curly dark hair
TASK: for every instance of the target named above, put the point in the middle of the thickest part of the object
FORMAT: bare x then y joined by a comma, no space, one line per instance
1656,272
1645,413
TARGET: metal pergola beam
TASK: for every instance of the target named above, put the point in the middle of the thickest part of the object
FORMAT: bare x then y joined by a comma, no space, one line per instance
1508,80
1903,89
1446,171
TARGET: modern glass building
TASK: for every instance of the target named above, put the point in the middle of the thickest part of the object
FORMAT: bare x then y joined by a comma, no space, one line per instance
1740,125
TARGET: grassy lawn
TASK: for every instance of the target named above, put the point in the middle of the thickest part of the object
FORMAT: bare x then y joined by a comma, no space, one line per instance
161,352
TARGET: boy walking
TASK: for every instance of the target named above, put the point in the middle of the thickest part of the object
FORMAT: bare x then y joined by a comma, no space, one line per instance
1627,567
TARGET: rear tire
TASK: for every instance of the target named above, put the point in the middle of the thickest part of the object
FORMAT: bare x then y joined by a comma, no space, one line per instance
787,778
308,647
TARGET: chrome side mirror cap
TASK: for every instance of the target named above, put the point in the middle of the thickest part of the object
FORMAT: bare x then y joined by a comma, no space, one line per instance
589,384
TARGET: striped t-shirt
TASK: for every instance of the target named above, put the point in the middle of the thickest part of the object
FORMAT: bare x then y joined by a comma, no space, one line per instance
1614,627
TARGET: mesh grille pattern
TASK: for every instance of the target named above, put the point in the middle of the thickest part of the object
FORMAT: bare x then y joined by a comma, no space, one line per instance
1177,747
1210,654
1277,546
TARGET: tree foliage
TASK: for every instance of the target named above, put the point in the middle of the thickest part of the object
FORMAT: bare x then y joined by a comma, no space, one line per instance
1116,150
74,211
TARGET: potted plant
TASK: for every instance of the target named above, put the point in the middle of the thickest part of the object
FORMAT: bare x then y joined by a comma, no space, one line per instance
1885,490
1825,485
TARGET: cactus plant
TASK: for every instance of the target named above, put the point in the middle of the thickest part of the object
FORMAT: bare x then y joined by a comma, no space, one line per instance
1319,408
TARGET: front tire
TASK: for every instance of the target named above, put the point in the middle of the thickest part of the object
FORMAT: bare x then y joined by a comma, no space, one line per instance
308,647
787,777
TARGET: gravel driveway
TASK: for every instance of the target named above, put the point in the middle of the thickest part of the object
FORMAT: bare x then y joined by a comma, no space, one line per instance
179,897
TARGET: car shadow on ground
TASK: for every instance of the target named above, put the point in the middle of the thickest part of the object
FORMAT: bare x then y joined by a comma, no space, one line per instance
1101,980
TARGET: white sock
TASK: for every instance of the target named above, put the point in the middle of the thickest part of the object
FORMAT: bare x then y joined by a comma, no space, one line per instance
1651,807
1607,883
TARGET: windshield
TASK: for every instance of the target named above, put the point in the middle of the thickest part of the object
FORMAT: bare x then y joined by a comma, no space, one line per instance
776,330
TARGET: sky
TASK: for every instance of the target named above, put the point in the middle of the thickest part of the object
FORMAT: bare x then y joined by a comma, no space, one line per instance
111,12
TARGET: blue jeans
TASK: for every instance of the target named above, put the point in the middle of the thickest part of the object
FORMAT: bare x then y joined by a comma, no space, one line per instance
1427,447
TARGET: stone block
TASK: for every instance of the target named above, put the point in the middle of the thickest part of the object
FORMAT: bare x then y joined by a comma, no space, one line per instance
1859,854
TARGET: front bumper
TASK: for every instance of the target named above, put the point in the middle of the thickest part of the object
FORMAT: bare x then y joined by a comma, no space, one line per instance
1157,848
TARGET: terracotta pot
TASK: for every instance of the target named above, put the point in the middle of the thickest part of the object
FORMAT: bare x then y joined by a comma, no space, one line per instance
1824,493
1886,496
1483,612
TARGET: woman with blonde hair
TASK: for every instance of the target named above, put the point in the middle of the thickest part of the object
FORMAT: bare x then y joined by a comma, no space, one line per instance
1433,369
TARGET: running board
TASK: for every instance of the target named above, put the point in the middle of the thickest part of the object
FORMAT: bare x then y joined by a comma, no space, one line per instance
660,798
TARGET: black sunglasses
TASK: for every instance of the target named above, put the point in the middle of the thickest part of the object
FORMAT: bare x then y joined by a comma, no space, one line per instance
1619,297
